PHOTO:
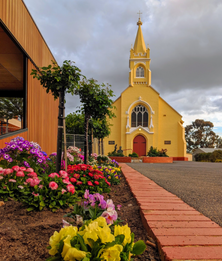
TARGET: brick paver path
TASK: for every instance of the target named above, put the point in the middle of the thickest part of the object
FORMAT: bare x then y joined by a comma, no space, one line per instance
182,233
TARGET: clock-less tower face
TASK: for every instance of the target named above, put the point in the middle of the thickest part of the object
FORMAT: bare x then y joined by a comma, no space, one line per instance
139,62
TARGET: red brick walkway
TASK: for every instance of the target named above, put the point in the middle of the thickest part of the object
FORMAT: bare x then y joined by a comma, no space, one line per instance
182,233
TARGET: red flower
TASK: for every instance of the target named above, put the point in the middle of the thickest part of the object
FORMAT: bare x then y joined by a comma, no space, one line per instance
108,183
96,182
73,180
90,174
76,176
79,183
71,188
89,183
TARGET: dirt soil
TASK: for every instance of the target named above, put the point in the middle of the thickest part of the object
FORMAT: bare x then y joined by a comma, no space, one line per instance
25,235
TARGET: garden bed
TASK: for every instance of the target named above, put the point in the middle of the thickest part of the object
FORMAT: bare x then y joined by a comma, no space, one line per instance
158,160
25,235
121,159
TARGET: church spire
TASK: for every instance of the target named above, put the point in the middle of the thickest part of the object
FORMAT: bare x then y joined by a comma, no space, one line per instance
139,45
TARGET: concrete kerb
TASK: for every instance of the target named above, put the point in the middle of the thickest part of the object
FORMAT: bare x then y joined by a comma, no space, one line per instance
181,232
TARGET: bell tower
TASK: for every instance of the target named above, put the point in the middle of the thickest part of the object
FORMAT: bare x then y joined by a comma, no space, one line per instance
139,62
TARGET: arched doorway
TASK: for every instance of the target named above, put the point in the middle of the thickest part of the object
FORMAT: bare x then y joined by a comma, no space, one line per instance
139,145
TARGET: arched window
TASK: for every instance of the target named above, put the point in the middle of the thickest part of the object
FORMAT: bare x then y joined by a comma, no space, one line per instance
140,72
139,116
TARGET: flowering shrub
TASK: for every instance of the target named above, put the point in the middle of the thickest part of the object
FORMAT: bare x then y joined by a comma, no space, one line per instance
111,173
95,206
24,153
53,191
94,241
86,177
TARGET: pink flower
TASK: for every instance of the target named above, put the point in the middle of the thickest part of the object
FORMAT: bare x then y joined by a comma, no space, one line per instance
20,174
33,182
118,207
22,168
109,204
41,186
30,170
63,173
63,191
25,183
79,183
53,185
66,181
76,175
110,215
86,194
12,180
90,183
32,175
71,188
73,180
53,175
16,168
8,171
96,182
21,187
1,177
65,223
36,195
2,171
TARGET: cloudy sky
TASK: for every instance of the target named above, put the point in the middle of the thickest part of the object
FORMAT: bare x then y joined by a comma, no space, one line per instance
185,39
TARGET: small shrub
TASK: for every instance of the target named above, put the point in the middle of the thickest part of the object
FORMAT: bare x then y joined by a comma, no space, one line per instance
153,152
115,154
134,155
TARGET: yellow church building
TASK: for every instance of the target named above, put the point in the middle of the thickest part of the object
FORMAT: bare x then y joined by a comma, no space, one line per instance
143,119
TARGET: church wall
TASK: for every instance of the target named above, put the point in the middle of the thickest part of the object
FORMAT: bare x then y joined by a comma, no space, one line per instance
115,129
168,120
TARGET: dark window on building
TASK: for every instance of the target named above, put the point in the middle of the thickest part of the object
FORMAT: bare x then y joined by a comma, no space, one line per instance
111,142
167,142
140,72
139,116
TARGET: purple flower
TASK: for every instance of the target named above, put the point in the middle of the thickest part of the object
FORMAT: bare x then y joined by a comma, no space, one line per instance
86,194
40,160
26,164
10,160
6,156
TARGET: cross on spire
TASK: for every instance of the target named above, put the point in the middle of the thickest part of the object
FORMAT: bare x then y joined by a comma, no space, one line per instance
139,14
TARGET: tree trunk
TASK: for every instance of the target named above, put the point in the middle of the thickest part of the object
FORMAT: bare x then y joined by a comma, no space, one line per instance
98,146
6,131
65,145
60,128
102,149
90,143
86,139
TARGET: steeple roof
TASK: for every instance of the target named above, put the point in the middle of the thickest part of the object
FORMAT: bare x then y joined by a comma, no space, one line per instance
139,45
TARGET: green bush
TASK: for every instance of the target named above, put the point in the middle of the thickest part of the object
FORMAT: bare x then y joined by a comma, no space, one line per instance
134,154
153,152
215,156
115,154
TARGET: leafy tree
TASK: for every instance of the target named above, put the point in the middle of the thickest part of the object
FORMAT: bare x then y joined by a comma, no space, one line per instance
199,134
101,130
11,108
59,80
96,103
75,123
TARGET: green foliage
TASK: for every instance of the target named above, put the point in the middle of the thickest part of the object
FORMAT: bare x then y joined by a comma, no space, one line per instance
11,108
55,78
134,155
199,134
153,152
75,123
215,156
115,154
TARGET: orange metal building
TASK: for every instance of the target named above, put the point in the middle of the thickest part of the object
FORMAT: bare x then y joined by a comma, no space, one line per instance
22,48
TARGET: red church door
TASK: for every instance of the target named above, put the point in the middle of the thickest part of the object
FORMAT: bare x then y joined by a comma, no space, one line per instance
139,145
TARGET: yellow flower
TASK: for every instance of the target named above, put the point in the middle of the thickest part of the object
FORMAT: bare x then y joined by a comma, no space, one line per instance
123,230
101,221
56,237
74,254
109,177
105,234
112,253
